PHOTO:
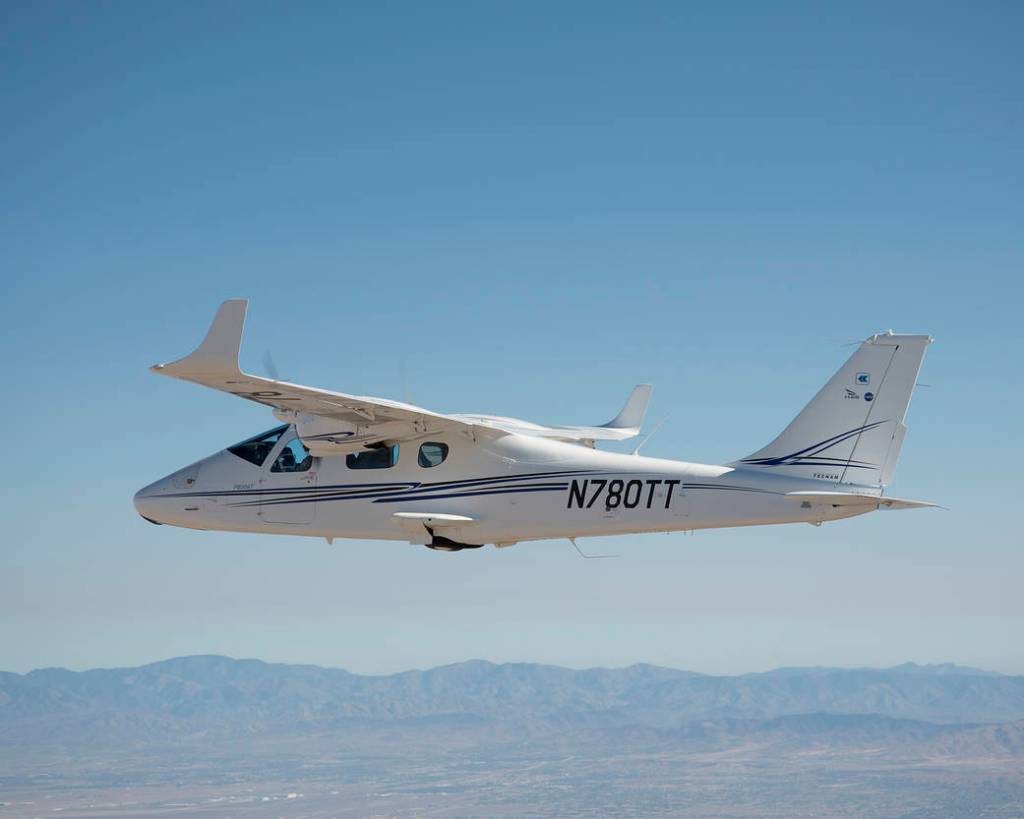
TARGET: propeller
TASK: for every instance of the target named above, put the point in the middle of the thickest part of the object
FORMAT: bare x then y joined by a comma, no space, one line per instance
270,366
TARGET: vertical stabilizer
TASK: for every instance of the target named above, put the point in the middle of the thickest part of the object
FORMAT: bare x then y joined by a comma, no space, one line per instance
852,430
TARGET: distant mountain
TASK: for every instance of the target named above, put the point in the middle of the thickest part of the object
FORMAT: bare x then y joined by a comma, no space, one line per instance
218,696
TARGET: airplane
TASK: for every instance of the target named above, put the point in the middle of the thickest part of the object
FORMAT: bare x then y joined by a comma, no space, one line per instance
348,466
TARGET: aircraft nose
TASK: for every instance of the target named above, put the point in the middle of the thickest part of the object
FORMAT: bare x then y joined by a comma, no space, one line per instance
147,504
152,502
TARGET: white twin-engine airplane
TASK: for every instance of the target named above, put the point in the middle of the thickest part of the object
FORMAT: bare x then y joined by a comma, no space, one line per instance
368,468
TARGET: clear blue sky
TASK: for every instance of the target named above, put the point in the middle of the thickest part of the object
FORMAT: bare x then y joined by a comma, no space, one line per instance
530,207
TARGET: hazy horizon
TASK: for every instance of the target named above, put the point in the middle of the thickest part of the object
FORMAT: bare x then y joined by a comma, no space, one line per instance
569,667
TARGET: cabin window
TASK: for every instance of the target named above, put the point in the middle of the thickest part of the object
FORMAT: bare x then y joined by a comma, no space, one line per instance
293,458
432,453
256,449
380,458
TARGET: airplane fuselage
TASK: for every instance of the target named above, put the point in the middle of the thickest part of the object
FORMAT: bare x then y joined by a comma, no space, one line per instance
351,466
509,489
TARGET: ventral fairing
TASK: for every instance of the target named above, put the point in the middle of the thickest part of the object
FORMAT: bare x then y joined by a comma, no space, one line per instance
348,466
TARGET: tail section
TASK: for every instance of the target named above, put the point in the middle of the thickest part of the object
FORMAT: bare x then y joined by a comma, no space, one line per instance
852,430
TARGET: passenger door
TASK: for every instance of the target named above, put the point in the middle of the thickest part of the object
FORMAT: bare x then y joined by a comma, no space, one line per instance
289,486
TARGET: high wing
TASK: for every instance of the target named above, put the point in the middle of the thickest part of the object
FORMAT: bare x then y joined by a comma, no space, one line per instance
326,420
333,422
624,425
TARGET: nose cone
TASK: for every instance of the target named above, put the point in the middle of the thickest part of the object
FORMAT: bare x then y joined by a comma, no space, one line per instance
149,502
168,499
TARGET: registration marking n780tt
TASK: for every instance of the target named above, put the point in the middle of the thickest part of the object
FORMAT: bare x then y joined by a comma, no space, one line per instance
617,492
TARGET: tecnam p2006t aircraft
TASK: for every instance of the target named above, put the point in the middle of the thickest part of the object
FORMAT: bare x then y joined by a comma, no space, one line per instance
356,467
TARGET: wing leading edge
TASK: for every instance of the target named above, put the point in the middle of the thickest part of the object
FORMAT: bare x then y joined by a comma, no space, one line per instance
333,422
359,419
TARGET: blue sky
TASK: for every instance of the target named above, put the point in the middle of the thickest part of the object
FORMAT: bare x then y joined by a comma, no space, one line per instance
528,208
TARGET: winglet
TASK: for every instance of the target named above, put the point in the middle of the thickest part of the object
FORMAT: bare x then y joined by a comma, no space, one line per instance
218,354
632,415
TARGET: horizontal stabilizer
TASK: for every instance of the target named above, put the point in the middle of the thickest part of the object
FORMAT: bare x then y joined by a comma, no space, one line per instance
855,499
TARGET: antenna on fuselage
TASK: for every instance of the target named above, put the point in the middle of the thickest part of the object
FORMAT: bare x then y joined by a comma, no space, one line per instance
572,540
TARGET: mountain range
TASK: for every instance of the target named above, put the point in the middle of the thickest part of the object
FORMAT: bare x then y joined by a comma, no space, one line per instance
220,697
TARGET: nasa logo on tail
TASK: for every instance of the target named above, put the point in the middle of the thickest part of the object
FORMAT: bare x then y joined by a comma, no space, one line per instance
869,396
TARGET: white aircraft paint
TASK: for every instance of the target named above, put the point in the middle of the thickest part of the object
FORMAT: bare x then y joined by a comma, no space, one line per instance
461,481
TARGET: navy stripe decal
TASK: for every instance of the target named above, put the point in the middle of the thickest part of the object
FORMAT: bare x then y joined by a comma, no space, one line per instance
396,497
807,453
540,487
348,488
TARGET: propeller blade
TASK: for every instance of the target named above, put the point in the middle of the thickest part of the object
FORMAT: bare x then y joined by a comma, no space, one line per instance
270,366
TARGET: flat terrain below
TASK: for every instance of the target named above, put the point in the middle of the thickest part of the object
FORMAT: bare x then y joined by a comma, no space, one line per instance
210,736
312,779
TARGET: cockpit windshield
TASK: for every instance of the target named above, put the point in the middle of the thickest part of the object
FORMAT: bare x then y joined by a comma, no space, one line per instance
293,457
256,449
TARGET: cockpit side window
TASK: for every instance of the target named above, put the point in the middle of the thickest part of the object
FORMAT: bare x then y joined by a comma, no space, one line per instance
256,449
380,458
294,457
432,453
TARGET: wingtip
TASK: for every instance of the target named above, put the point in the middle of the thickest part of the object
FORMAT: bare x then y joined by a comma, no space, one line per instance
218,351
631,417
